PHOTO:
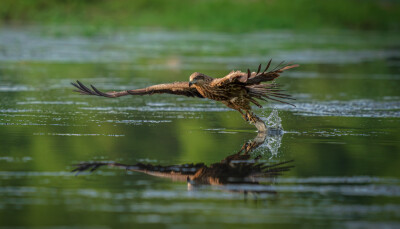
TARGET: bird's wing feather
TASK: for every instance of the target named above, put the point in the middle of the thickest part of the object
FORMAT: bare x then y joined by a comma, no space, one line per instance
232,77
258,77
177,88
250,78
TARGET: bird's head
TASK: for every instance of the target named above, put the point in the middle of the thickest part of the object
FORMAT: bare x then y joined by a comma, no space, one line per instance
199,79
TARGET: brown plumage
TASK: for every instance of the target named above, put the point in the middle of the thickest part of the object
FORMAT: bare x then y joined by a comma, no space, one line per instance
236,90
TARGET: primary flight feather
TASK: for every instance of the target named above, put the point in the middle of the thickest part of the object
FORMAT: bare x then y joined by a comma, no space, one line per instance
237,90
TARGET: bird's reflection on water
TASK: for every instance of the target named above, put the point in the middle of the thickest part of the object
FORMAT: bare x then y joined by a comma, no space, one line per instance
239,172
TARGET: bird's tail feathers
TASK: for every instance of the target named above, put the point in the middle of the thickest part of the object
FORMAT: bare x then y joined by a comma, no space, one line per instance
267,92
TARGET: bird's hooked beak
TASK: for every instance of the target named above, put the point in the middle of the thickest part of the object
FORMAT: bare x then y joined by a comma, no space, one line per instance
192,82
190,184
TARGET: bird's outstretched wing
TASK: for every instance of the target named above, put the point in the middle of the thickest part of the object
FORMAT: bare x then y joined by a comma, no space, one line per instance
177,88
250,78
252,81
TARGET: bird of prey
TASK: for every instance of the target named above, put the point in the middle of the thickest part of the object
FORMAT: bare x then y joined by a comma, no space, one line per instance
237,90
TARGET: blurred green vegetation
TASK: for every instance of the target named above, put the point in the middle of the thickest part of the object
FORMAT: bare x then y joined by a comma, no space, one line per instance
217,15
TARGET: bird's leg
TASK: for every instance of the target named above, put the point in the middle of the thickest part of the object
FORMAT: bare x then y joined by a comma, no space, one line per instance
243,115
251,117
233,106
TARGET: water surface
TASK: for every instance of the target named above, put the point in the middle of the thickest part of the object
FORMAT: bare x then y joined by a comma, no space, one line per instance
343,135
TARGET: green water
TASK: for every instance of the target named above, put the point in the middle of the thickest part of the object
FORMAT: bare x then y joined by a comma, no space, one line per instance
343,134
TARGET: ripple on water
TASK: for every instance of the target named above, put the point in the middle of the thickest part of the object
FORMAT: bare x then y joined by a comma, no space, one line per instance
17,88
11,110
345,190
337,133
339,180
138,122
28,45
353,108
16,159
158,108
26,174
52,103
79,134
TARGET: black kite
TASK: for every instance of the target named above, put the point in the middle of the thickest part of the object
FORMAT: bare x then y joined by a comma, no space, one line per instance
236,90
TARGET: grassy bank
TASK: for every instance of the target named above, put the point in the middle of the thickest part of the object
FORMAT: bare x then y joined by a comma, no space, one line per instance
215,15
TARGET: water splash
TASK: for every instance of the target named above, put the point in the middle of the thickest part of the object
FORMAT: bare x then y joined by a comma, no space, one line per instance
273,143
274,122
273,139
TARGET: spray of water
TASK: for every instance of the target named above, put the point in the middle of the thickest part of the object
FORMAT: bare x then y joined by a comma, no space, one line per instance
274,122
275,132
